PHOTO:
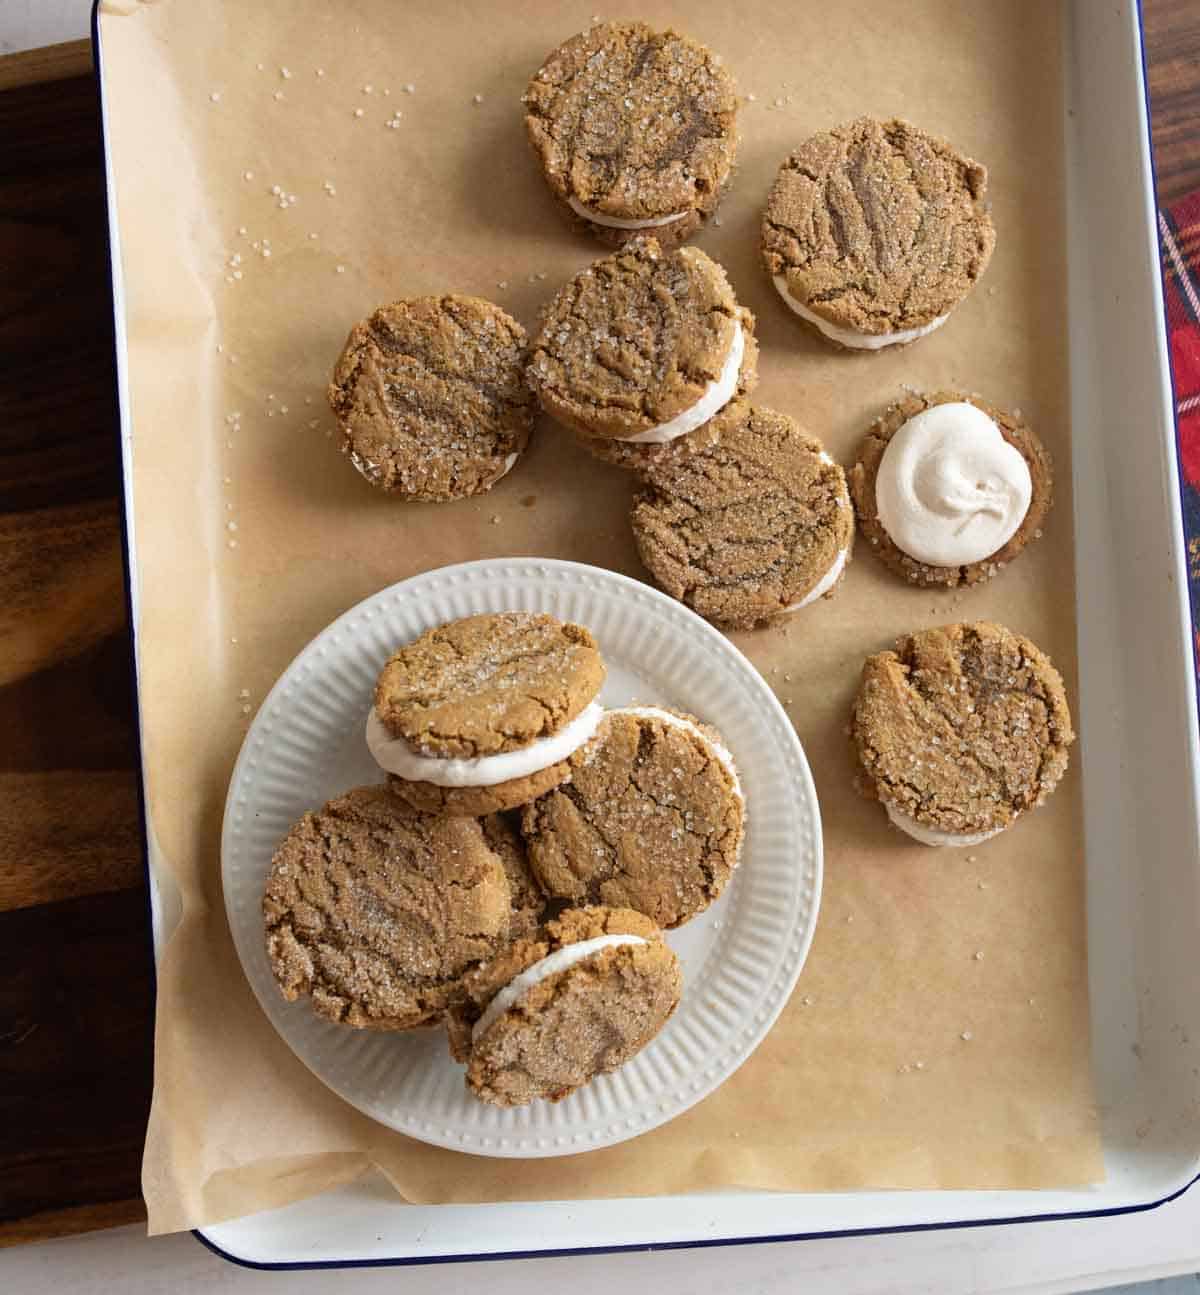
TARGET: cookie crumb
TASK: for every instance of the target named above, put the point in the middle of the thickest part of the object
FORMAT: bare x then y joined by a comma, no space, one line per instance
966,1036
215,96
529,501
496,519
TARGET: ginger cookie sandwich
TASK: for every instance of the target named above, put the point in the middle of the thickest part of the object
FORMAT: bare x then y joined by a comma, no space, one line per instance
640,351
635,130
756,526
576,1000
949,490
483,714
430,397
652,818
960,731
375,912
874,231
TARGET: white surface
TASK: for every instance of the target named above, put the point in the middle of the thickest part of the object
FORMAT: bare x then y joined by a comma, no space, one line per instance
740,957
1047,1258
1072,1255
950,490
26,24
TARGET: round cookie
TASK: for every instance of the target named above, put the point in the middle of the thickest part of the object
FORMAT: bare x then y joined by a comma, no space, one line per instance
643,344
960,730
552,1012
864,476
874,231
652,819
482,714
754,526
376,912
634,129
430,397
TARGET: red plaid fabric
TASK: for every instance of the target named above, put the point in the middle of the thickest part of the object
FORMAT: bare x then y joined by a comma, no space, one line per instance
1179,228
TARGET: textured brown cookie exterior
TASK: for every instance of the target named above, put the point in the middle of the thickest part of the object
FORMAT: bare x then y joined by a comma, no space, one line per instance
527,903
430,397
635,124
863,475
743,529
651,820
962,728
878,226
487,684
376,912
476,802
582,1022
638,457
635,339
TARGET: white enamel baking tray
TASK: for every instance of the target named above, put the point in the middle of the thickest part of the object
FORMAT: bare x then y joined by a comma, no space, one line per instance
1138,749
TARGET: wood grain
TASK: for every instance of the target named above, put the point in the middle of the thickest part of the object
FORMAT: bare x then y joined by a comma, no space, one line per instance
1172,38
76,1012
76,979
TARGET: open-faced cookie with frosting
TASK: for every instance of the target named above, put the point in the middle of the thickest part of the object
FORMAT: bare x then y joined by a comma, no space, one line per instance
430,397
960,731
754,526
375,912
482,714
874,231
641,350
652,818
635,130
574,1001
949,489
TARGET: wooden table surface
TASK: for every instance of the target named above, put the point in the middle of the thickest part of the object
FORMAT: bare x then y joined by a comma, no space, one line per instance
76,975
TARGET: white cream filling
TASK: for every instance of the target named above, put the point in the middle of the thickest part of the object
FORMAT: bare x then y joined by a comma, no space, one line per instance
716,396
825,584
931,835
950,489
397,756
622,222
723,754
849,336
509,460
550,965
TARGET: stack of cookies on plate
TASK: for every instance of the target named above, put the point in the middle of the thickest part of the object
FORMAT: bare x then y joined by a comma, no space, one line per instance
513,876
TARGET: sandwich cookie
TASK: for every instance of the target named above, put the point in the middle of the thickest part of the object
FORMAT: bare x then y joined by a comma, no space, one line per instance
959,731
874,231
375,912
755,526
483,714
575,1001
643,349
949,490
652,818
635,131
430,397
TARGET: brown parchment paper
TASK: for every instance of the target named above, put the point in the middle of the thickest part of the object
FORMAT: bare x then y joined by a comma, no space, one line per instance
939,1033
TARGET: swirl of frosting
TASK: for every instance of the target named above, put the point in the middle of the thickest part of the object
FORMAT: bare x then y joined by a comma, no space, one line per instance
950,489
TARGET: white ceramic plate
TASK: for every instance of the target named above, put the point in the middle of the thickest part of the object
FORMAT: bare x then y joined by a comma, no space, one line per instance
740,959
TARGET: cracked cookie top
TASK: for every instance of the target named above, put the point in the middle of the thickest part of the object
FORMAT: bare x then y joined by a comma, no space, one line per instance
609,986
877,226
962,728
636,339
632,123
748,527
430,397
652,819
376,912
488,684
